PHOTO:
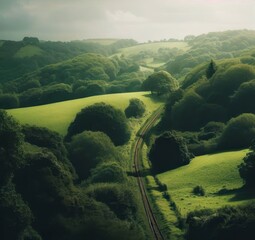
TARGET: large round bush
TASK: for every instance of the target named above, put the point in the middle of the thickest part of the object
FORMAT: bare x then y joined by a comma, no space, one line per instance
239,132
169,151
104,118
88,149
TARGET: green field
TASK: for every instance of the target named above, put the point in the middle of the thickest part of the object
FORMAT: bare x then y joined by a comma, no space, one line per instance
28,51
153,47
214,172
58,116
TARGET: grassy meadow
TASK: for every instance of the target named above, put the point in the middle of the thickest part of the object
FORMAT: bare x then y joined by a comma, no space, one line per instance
28,51
153,47
58,116
214,172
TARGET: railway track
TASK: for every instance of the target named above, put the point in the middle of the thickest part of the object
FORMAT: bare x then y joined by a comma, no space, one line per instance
137,154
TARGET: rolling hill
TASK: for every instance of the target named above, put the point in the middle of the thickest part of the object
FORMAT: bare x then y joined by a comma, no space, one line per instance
58,116
216,173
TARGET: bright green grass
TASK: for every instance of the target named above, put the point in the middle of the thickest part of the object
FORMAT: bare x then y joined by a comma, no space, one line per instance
153,47
214,172
28,51
165,215
58,116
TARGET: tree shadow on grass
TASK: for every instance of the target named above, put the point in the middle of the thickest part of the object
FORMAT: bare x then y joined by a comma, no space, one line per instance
240,194
155,98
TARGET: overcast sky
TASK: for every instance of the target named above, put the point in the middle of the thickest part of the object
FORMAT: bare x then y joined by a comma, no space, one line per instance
141,20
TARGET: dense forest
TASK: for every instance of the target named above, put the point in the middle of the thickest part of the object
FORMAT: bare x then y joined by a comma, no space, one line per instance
80,185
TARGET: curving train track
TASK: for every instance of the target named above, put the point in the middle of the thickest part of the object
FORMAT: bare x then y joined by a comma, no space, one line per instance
137,154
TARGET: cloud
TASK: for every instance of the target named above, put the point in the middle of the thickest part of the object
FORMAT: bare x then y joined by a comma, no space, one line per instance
124,17
142,20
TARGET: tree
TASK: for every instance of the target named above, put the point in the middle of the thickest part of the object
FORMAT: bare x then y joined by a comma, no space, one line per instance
8,101
136,108
160,82
108,172
88,149
211,69
11,152
169,151
101,117
239,132
247,169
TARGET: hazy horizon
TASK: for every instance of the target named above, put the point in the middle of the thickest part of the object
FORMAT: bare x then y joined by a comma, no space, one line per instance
145,20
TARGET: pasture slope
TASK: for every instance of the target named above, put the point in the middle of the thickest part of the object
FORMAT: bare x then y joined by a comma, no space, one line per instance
58,116
216,173
153,47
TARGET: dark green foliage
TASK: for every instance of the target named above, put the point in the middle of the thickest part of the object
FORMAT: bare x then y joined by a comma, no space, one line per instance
10,146
169,151
198,190
101,117
108,172
211,130
203,48
227,81
15,215
31,97
52,52
239,132
243,99
89,90
45,185
166,120
226,223
45,138
211,69
33,83
185,112
136,108
56,93
30,40
8,101
88,149
247,169
160,82
120,200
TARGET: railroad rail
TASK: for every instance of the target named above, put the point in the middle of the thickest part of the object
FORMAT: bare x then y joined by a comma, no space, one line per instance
137,154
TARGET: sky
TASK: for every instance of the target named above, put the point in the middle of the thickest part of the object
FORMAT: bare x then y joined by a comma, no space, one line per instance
142,20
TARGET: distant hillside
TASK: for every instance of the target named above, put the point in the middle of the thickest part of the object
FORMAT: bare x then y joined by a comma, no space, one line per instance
217,45
82,76
154,54
20,57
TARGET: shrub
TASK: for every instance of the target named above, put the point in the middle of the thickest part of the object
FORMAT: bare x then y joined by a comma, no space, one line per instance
108,172
247,169
227,81
136,108
169,151
243,99
239,132
185,112
198,190
88,149
119,198
101,117
224,223
160,82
